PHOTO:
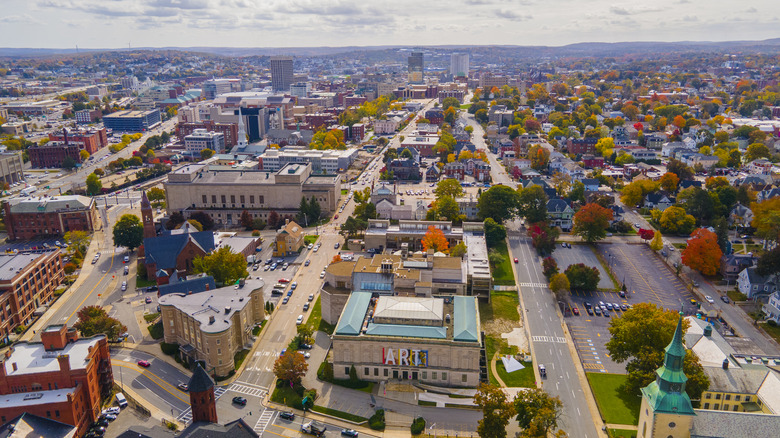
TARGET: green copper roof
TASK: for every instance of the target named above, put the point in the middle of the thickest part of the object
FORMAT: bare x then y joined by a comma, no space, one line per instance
667,393
351,321
465,319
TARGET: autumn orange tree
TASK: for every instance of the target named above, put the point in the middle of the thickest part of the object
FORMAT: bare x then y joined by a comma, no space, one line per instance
703,253
669,182
591,222
291,366
766,218
434,239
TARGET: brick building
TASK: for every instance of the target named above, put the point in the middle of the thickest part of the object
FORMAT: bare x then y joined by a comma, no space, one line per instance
172,252
229,130
28,218
91,140
435,116
585,145
62,378
27,282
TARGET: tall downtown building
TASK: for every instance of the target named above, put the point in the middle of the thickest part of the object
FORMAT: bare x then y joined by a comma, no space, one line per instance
281,73
416,68
459,64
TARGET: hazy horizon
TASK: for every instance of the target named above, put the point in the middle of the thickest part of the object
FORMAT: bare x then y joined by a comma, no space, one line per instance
119,24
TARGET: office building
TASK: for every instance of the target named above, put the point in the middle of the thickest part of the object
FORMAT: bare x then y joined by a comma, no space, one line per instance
214,87
224,194
35,217
459,65
62,378
27,283
11,167
202,139
132,121
300,89
281,73
326,161
416,68
213,325
90,140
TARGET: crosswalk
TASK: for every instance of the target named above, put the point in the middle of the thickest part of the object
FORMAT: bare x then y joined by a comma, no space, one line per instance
266,417
554,339
532,284
252,390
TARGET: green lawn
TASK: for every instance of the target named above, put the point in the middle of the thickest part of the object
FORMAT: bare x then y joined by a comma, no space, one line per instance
772,330
465,106
680,245
621,433
519,379
315,319
239,357
502,305
149,317
142,282
344,192
310,239
340,414
425,403
502,273
287,396
615,406
736,295
496,344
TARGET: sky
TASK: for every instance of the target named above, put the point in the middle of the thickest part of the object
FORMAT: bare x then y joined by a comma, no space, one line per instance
313,23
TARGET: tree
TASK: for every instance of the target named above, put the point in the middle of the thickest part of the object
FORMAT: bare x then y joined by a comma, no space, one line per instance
549,267
68,163
543,237
582,277
434,239
669,182
223,264
246,220
495,233
766,218
93,320
675,220
77,239
448,187
203,219
698,203
756,151
640,337
559,284
446,208
703,253
83,154
496,411
657,243
646,234
205,154
458,250
680,169
495,258
128,232
605,146
591,222
721,227
174,220
499,203
538,413
769,263
155,194
94,186
305,332
635,192
532,203
291,366
539,157
577,192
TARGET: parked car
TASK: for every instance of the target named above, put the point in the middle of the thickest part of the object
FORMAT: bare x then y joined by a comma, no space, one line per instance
152,288
516,260
589,310
575,311
307,262
183,387
351,433
725,299
239,401
299,320
283,280
289,416
305,307
124,286
322,274
311,297
709,299
144,363
148,300
285,300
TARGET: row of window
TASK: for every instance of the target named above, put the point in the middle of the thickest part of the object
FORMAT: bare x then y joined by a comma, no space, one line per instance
716,407
726,397
423,374
242,199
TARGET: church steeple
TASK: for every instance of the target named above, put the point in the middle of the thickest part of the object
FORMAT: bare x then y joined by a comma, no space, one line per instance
242,144
147,215
667,393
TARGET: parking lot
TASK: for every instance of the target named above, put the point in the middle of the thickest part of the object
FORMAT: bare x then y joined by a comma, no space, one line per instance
31,245
582,254
647,279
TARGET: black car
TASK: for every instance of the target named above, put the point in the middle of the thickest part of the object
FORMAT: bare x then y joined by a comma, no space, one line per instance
101,422
351,433
304,346
289,416
99,431
587,305
239,401
589,310
725,299
152,288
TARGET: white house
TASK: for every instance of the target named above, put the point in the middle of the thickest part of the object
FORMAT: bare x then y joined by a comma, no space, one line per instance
756,286
772,308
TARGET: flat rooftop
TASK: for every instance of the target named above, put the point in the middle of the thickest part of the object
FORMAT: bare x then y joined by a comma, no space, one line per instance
32,358
11,264
35,398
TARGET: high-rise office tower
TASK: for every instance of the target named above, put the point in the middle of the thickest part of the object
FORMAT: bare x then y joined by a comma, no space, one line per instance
281,73
416,68
459,64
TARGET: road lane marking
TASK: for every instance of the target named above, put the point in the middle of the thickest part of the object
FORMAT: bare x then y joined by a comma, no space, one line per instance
147,373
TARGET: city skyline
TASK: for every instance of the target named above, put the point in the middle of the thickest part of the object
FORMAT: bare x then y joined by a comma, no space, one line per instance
120,24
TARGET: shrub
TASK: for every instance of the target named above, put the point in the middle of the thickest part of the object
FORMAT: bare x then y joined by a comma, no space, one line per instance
772,323
377,421
169,349
325,372
418,425
19,329
69,268
255,233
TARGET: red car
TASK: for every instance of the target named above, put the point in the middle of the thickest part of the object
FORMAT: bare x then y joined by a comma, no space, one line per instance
516,260
283,280
144,363
575,311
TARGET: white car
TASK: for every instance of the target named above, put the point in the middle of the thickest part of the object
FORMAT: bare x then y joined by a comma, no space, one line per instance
113,410
709,299
322,274
299,321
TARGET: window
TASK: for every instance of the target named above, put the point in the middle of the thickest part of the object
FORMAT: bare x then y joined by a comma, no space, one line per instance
48,414
706,405
365,373
261,199
219,351
716,406
717,396
223,198
737,397
251,199
672,425
376,372
425,375
433,375
464,378
241,198
57,413
728,396
213,199
346,370
725,407
736,408
708,396
444,376
205,199
232,199
386,372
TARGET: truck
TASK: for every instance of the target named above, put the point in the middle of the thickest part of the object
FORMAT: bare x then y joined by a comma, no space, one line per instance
27,191
313,428
251,259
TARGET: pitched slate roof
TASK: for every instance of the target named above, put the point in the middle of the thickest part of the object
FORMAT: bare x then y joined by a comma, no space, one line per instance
164,249
195,285
200,380
557,206
29,425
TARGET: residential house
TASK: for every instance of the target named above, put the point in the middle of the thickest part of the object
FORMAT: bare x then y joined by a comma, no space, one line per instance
655,140
432,174
591,184
658,200
761,166
481,170
644,154
756,286
384,192
585,145
405,169
732,264
772,308
591,161
560,214
574,171
558,162
173,252
763,195
740,215
456,170
289,240
684,184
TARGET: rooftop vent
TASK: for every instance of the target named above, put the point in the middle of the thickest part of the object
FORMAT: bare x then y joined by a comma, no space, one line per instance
725,364
211,320
227,310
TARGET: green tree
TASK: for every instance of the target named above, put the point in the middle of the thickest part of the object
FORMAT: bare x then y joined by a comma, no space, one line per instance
657,243
205,154
496,411
559,284
499,203
68,163
495,233
448,187
446,208
680,169
582,277
532,203
756,151
639,338
591,222
77,239
675,220
769,263
458,250
223,264
155,194
94,186
128,232
93,320
538,413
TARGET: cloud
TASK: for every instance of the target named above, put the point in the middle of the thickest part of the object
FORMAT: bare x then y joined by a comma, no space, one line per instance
511,15
179,4
621,10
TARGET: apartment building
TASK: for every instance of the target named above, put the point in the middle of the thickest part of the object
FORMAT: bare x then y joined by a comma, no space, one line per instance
28,218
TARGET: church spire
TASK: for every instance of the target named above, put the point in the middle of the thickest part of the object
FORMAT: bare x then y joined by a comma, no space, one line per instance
241,131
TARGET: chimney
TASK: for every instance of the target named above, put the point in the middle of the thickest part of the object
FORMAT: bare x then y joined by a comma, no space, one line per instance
241,282
64,361
708,331
286,221
208,286
227,310
211,319
13,365
725,364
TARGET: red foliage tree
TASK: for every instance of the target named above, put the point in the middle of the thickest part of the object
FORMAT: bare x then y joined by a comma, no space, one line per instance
703,253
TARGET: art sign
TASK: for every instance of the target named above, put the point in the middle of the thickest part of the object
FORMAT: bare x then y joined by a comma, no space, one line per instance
405,357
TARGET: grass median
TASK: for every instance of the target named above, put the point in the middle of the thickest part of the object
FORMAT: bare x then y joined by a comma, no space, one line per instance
502,272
